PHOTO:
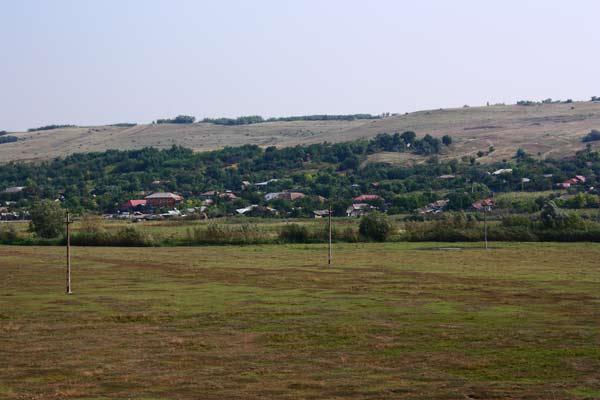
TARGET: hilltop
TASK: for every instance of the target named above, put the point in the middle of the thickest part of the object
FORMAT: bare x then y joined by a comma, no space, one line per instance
544,130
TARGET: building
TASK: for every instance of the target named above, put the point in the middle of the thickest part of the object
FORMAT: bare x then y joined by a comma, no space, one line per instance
321,213
359,209
366,197
14,189
435,208
289,196
503,171
133,205
160,200
485,204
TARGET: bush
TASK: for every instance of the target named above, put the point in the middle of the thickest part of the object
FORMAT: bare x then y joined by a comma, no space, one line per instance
47,219
375,226
180,119
592,136
294,233
7,139
516,221
223,234
125,237
8,233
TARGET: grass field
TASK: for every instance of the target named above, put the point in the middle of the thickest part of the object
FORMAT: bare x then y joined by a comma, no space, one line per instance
396,320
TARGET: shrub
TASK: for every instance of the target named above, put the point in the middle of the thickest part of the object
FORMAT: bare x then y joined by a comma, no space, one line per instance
180,119
50,127
47,219
516,221
8,233
7,139
375,226
592,136
294,233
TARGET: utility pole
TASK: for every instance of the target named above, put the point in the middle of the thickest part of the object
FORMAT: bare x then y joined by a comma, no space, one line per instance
68,254
485,226
329,218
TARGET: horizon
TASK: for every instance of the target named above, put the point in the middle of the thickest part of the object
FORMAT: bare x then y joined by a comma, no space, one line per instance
91,64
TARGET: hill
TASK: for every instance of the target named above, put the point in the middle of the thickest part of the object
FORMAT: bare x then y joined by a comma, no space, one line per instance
550,130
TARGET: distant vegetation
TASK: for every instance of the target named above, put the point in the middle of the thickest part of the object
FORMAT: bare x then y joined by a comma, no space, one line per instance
7,139
124,125
50,127
592,136
2,133
545,101
595,98
180,119
250,119
256,119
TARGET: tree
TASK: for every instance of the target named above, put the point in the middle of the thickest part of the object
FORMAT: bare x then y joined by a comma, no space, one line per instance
375,226
47,219
408,137
447,140
592,136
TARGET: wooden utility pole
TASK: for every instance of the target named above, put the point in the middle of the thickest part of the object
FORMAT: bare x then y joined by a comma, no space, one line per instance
329,218
68,254
485,226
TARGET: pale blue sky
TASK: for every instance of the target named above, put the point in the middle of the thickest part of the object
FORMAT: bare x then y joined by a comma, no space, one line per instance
106,61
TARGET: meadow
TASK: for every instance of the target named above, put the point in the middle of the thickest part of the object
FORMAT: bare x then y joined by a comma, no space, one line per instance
385,321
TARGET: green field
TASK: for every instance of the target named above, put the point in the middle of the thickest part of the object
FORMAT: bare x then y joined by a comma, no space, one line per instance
387,321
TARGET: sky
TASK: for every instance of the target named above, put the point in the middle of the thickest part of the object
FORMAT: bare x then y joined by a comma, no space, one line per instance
98,62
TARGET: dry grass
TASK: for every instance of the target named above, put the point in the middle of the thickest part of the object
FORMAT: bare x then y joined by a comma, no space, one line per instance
397,321
551,129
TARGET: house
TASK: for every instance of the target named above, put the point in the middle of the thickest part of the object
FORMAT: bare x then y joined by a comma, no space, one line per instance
446,177
321,213
366,197
435,208
210,193
255,209
485,204
502,171
133,205
14,189
563,185
160,199
289,196
228,195
359,209
580,178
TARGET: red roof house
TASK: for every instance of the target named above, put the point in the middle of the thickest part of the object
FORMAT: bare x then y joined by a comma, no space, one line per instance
133,205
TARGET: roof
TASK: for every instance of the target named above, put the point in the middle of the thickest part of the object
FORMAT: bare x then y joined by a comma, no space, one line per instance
135,203
485,203
161,195
322,213
14,189
502,171
367,197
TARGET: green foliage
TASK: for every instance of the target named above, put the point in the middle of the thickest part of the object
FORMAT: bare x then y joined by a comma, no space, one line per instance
376,226
50,127
7,139
294,233
592,136
8,233
552,217
447,140
47,219
180,119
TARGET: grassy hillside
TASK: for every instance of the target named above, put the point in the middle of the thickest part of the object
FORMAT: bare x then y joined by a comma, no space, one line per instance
549,129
